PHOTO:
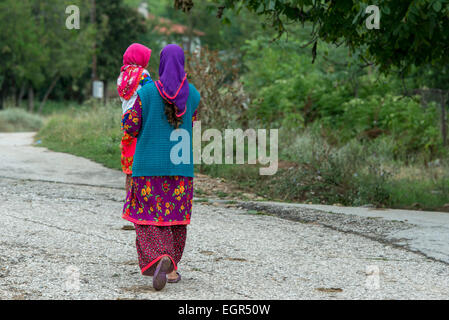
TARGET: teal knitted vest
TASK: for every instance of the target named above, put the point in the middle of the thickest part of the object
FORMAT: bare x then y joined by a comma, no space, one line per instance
152,156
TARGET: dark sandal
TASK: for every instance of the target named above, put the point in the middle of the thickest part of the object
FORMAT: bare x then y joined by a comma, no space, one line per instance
175,280
160,275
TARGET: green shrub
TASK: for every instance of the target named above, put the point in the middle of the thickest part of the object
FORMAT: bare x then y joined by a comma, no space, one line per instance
16,120
413,127
345,101
355,173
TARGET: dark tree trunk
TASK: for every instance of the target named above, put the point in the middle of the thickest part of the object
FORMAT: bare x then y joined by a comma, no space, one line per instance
105,93
93,14
48,92
190,32
21,94
15,93
1,98
30,99
443,118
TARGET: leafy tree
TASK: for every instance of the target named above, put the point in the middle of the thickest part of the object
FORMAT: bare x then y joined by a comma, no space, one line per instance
22,53
39,50
70,51
119,25
412,35
411,32
228,35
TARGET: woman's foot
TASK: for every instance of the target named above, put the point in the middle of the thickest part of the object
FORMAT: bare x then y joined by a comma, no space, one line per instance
173,277
160,275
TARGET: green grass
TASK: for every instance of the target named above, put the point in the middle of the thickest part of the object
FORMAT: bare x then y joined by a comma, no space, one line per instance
88,131
429,194
19,120
55,107
201,200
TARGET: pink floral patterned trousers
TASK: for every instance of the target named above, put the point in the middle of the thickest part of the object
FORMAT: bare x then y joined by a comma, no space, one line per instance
155,242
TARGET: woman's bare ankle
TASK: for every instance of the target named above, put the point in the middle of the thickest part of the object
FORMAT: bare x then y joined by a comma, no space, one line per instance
172,275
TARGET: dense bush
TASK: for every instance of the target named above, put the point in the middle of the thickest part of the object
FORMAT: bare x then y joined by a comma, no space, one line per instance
414,128
288,91
354,174
223,102
15,119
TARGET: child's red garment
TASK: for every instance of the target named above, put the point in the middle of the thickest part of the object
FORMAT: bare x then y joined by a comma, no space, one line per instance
128,149
132,77
129,142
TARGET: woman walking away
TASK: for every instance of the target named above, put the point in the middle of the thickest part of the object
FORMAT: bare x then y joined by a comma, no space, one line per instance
160,199
133,75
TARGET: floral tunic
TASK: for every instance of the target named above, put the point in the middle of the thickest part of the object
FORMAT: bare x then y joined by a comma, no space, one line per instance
128,141
158,200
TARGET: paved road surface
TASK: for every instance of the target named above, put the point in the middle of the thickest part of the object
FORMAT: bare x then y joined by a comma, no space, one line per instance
426,231
61,237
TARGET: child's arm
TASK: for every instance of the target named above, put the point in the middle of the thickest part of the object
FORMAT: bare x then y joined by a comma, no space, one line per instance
145,79
131,119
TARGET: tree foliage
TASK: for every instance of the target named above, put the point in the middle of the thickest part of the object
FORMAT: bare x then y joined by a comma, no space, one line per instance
40,54
119,25
346,101
411,32
22,55
38,49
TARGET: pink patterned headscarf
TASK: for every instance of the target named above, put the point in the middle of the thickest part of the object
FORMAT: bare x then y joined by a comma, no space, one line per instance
135,60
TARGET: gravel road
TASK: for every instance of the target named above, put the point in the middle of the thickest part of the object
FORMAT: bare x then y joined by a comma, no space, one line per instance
61,237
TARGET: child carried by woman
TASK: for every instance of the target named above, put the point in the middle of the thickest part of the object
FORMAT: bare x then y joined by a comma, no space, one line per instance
133,75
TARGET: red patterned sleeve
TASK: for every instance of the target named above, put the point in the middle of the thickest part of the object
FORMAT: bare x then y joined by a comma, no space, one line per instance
132,119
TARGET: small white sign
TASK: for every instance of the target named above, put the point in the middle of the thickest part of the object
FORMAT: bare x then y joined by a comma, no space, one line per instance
97,89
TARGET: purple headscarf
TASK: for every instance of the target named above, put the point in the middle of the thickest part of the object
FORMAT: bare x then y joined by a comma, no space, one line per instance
172,84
